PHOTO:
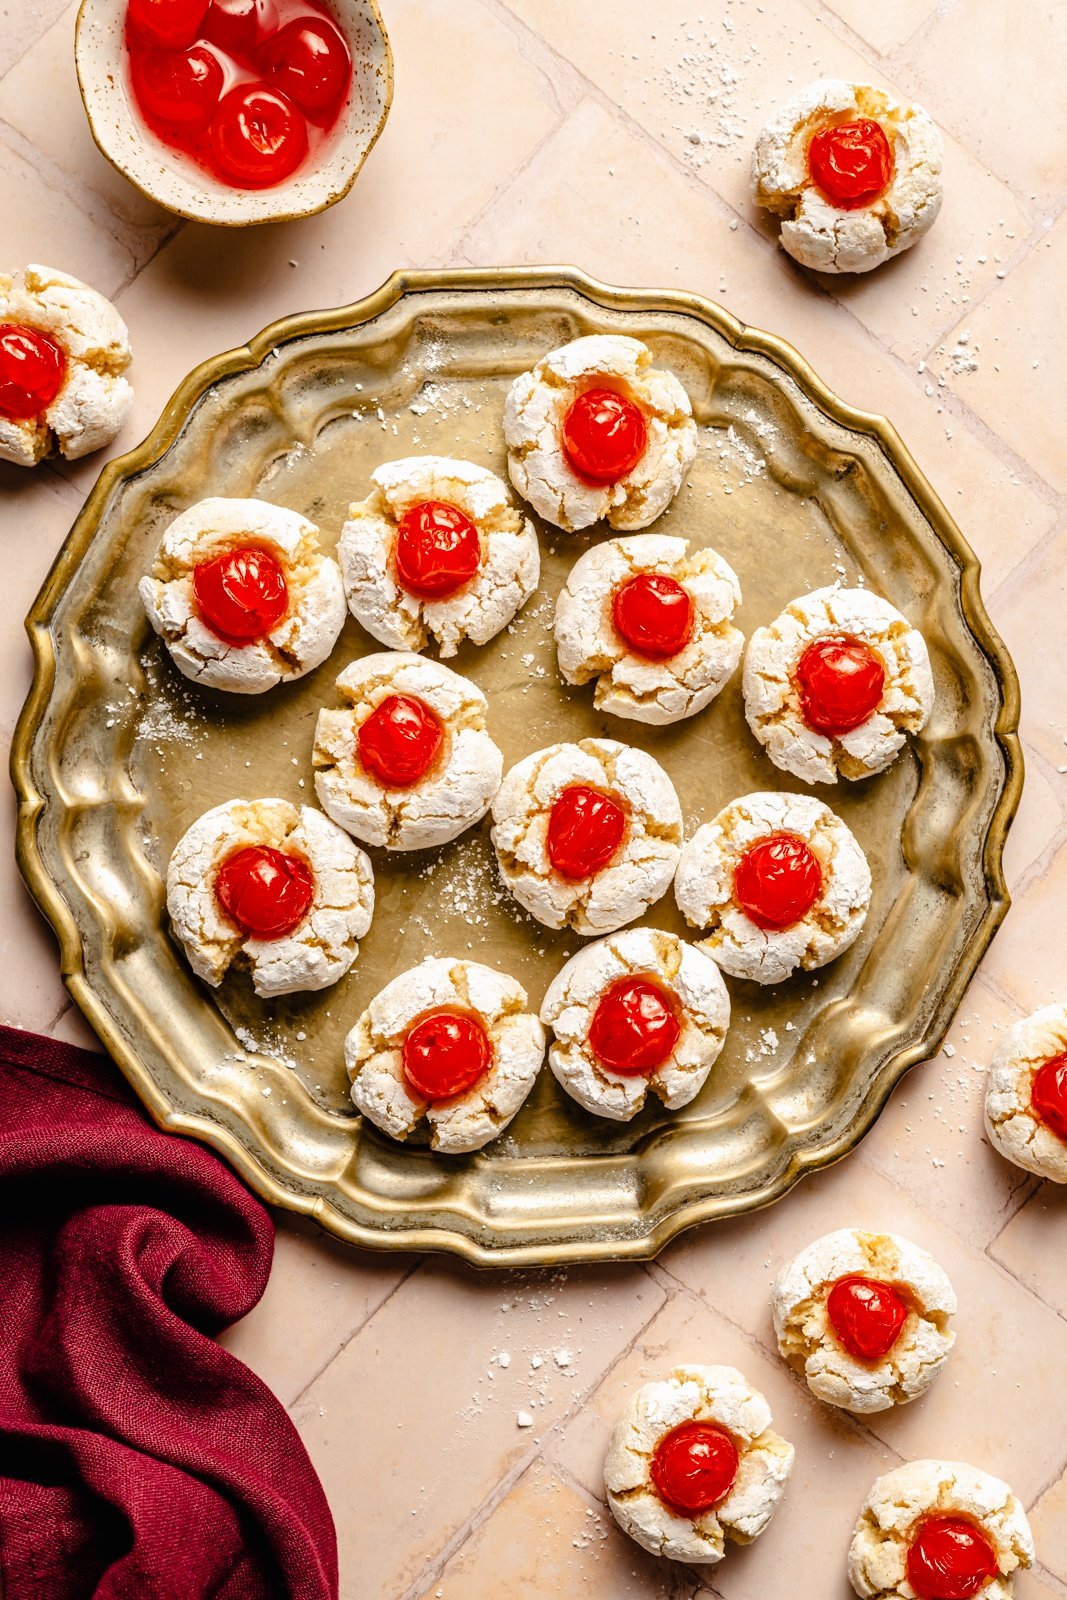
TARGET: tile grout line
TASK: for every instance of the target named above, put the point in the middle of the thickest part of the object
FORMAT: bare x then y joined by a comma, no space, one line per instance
459,243
352,1332
92,205
431,1572
1025,566
1057,1477
902,1188
1050,1578
997,1262
31,46
864,47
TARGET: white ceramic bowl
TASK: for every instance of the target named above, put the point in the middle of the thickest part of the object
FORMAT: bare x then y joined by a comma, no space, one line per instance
175,181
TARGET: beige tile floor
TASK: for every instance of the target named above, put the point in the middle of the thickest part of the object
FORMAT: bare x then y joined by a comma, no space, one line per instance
615,134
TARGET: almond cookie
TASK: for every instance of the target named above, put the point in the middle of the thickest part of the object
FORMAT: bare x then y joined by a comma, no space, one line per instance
271,886
595,430
637,1014
778,881
936,1528
406,762
854,174
448,1042
63,352
242,596
835,685
587,835
866,1318
1026,1096
693,1461
652,624
437,550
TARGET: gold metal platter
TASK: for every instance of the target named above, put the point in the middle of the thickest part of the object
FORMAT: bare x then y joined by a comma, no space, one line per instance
115,755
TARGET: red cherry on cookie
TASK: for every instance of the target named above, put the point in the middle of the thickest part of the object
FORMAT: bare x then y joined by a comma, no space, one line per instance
168,24
851,163
309,61
694,1467
437,549
258,137
178,86
1048,1095
654,614
777,881
950,1559
866,1315
240,26
32,371
446,1053
585,828
400,741
634,1027
264,892
841,681
604,435
241,595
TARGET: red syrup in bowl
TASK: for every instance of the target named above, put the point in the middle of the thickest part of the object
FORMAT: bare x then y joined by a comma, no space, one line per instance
250,90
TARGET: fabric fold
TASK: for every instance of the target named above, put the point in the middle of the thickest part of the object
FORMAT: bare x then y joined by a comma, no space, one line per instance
137,1457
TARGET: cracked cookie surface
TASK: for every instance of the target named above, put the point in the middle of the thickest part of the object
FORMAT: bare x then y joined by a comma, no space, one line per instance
642,867
507,575
300,641
590,646
322,947
894,1510
815,231
1011,1122
713,1394
773,705
806,1336
456,791
534,412
704,887
95,399
702,1011
374,1054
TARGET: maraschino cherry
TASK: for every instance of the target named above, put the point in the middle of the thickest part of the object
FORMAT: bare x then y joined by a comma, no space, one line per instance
634,1027
777,881
266,893
168,24
182,87
400,741
240,26
851,163
257,136
1048,1095
446,1053
604,435
437,549
654,614
950,1559
841,681
32,371
585,828
242,594
694,1467
866,1315
309,61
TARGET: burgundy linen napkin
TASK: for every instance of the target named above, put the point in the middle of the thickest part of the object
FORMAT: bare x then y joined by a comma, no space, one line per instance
138,1459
